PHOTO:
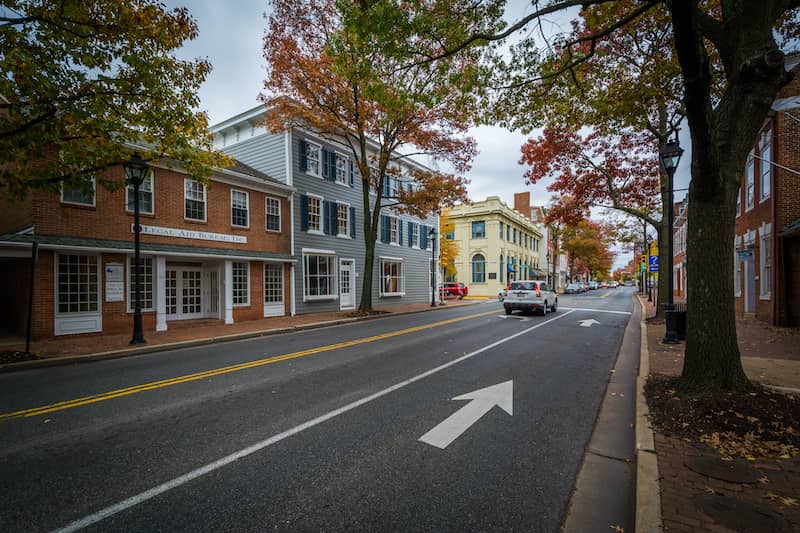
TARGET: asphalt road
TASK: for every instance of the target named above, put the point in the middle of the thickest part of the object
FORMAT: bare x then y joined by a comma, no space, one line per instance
335,429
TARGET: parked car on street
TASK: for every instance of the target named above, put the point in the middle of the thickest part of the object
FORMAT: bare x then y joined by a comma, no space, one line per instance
613,284
604,285
593,285
453,290
530,295
574,288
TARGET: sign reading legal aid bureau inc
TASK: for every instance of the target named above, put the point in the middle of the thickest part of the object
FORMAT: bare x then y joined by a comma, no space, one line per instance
190,234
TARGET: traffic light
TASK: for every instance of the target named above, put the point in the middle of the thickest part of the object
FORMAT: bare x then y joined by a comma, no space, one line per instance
644,259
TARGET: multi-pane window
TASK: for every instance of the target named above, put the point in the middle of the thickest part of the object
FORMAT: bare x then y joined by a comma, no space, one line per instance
739,202
508,232
241,283
478,269
319,275
194,194
394,230
765,279
414,235
273,283
501,231
342,167
479,230
146,283
765,164
145,195
392,282
450,235
342,219
273,210
78,196
749,183
313,156
515,235
77,284
314,213
240,208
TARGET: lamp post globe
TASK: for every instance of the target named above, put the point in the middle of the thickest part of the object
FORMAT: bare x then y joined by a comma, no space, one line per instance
670,157
432,236
136,170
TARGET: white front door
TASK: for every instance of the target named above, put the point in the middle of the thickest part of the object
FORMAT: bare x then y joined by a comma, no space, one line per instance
273,290
347,293
184,293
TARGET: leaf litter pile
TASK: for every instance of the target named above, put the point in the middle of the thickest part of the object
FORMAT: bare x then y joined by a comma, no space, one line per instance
751,425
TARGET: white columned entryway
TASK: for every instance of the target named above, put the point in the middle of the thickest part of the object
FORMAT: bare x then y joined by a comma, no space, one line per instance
161,293
227,284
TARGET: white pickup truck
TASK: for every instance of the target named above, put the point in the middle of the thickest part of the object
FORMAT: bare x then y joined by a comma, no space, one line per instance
530,295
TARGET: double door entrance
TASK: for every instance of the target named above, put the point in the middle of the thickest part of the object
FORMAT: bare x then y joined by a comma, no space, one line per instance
191,292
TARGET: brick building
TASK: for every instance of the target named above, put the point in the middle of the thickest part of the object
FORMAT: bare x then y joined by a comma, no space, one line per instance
767,239
220,251
679,263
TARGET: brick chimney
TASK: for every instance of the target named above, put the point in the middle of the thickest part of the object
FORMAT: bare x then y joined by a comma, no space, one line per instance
522,203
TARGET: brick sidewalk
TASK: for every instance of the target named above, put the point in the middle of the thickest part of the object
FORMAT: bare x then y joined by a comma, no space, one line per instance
201,329
766,496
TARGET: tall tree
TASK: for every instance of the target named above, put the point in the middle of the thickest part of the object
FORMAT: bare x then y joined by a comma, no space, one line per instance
588,247
448,248
732,67
81,78
328,73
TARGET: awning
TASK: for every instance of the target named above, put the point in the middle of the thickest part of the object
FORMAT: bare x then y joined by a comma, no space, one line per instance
791,229
510,270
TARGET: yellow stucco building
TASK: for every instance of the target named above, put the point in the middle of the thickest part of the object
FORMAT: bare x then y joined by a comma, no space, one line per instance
496,245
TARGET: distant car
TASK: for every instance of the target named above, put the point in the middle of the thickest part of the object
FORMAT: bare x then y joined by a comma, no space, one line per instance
593,285
574,288
453,290
604,285
530,295
613,284
629,283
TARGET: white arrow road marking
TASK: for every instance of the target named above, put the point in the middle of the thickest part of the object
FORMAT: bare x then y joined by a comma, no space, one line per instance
483,400
588,323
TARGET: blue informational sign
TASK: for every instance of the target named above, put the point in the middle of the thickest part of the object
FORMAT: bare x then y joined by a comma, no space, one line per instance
653,263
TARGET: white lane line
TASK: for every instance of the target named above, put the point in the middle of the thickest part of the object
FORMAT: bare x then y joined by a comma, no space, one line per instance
219,463
595,310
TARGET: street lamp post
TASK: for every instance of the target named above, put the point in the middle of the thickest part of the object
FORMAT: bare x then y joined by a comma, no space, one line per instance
432,236
136,171
670,157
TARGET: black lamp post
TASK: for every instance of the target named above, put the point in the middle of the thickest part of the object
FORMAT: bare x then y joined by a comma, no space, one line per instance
670,156
432,237
136,171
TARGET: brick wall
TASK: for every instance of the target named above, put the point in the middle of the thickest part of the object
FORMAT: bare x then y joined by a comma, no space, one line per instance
110,220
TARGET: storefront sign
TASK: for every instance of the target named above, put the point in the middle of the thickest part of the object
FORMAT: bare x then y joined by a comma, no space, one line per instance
190,234
115,283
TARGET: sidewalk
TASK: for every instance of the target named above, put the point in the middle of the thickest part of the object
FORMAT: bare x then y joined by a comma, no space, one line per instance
69,349
701,488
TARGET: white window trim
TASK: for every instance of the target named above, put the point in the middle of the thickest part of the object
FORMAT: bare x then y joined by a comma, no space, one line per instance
346,181
415,243
346,234
762,263
737,278
129,285
205,202
751,163
246,304
152,177
267,198
100,279
768,162
400,260
318,173
247,202
321,214
397,221
335,292
94,197
739,203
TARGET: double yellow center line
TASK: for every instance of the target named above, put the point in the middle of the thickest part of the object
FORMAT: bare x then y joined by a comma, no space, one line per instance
94,398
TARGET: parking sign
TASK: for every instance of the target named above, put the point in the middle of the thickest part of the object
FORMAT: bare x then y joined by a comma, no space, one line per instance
653,263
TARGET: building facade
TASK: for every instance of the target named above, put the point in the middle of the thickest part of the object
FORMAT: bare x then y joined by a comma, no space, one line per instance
217,251
496,245
679,263
327,214
767,237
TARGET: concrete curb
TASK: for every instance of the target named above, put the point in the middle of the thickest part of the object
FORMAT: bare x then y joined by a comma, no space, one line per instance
140,350
648,490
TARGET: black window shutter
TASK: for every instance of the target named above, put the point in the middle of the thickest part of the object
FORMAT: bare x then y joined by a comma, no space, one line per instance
334,214
352,174
423,237
303,155
386,186
326,217
353,221
303,212
410,235
399,232
384,229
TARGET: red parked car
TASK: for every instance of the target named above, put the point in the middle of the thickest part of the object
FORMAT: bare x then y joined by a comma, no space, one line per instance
454,290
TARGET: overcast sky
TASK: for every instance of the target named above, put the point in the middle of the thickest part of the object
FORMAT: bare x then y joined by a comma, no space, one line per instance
230,38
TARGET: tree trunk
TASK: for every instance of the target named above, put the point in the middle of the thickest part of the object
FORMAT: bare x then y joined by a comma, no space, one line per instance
712,360
365,306
662,290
